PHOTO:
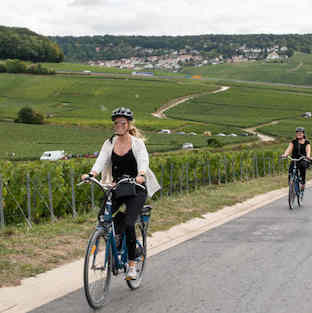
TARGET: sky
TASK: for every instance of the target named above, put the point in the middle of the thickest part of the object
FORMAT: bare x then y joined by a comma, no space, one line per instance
157,17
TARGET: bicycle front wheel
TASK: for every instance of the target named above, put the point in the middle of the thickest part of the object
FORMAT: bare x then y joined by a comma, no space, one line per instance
97,270
141,255
291,194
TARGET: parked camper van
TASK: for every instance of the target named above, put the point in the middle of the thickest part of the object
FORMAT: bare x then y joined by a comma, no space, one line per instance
52,155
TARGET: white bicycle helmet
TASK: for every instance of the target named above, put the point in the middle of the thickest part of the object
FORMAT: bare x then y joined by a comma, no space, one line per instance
122,112
300,129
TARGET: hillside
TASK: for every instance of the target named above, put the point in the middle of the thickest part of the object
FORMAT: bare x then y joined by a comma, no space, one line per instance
79,109
23,44
246,105
90,99
297,70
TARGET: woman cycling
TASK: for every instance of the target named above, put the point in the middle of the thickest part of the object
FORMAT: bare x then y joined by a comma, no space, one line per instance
297,148
125,154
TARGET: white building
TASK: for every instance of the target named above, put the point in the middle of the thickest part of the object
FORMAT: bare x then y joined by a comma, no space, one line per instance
273,56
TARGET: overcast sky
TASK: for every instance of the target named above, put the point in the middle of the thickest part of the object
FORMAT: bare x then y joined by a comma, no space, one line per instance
158,17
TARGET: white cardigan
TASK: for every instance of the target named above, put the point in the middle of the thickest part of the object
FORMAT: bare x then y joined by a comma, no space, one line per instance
103,163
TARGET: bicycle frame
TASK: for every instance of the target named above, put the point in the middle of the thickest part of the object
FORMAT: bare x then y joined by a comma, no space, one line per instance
295,175
119,263
294,184
106,256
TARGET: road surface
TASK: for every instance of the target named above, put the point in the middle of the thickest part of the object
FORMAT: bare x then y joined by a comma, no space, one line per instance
258,263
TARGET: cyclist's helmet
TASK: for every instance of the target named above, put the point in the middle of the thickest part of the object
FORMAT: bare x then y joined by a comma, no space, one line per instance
300,129
122,112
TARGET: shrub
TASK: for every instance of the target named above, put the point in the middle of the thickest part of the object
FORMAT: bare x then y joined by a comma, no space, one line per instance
29,116
18,66
213,142
15,66
3,68
39,69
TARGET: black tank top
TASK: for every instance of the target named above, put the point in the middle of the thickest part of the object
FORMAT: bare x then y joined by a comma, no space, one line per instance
299,149
124,165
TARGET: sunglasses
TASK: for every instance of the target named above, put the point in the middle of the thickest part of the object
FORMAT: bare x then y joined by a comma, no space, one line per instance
122,123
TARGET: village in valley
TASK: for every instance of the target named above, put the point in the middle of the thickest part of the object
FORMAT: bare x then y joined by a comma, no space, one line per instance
174,60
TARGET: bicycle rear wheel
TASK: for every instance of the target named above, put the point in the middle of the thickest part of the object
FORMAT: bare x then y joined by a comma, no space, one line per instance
298,194
291,194
97,270
141,232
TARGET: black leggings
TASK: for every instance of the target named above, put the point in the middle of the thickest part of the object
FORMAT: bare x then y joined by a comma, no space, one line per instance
302,171
125,221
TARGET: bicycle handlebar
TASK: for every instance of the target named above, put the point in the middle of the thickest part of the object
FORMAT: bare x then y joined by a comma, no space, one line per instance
107,187
296,160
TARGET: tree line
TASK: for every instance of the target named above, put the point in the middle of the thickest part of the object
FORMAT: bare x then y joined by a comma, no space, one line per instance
18,66
110,47
23,44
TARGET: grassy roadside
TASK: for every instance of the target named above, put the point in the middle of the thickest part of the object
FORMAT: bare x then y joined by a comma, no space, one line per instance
25,252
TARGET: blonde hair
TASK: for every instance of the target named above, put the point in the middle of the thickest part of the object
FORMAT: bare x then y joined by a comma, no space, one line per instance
133,131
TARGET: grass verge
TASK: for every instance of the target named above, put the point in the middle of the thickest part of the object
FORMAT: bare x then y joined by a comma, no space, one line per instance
27,252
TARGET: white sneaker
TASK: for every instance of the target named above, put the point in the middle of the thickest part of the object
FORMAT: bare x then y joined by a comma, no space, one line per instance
132,273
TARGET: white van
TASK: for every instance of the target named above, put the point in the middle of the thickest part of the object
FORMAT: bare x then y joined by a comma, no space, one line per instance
165,131
52,155
187,145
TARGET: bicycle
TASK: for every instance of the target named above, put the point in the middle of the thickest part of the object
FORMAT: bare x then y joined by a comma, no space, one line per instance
107,255
294,184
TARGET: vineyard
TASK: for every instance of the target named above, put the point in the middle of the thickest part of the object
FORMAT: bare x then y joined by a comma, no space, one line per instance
286,128
83,99
78,109
248,105
33,192
28,142
297,70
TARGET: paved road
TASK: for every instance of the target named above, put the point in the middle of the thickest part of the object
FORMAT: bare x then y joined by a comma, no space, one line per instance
258,263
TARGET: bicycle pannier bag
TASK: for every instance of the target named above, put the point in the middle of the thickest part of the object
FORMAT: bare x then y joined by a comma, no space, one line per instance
125,189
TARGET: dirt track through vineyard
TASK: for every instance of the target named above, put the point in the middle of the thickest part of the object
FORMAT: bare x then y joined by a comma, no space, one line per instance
160,113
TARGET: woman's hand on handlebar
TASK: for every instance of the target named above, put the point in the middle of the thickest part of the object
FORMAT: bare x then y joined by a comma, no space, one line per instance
84,176
140,179
87,176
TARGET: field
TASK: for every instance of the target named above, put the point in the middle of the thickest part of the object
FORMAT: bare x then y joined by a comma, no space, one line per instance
246,105
297,71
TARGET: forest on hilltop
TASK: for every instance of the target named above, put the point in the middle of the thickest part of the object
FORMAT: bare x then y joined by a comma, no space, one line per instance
110,47
23,44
